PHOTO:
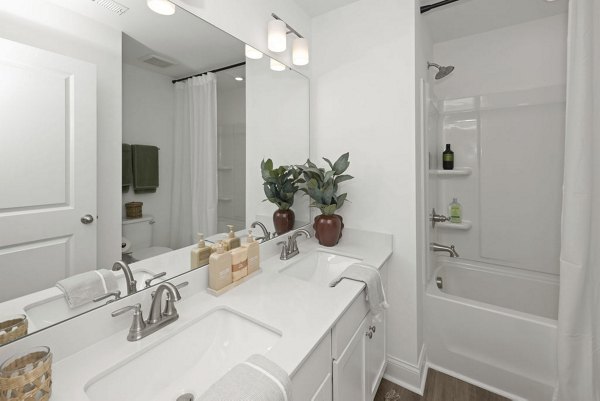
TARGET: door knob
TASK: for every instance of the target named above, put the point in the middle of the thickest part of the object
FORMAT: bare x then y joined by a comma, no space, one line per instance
87,219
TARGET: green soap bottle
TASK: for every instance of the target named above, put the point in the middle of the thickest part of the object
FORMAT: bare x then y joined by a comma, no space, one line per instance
455,211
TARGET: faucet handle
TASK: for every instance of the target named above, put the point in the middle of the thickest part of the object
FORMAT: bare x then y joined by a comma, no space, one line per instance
155,277
115,294
284,250
137,325
137,308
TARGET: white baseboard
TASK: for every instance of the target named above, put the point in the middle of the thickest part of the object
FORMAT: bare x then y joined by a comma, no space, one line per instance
407,375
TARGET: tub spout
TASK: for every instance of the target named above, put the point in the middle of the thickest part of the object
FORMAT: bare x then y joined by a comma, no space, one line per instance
435,247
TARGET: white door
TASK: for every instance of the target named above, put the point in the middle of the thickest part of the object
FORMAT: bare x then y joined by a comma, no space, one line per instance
349,369
47,168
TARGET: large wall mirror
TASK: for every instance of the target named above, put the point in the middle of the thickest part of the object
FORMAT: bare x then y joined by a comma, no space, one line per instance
197,118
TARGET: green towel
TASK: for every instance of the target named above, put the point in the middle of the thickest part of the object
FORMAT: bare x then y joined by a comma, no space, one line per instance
145,168
127,173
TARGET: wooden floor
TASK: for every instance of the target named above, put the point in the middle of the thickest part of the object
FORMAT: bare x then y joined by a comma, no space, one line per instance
438,387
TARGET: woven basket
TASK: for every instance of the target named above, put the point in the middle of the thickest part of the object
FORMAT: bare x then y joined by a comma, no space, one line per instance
133,210
13,328
27,377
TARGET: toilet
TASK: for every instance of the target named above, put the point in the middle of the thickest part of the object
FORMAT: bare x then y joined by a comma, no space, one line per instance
137,238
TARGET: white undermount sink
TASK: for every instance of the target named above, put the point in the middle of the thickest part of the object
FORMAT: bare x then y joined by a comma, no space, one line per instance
54,309
319,267
188,361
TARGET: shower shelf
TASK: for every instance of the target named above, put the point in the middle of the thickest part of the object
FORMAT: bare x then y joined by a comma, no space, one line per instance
225,199
225,168
459,171
465,225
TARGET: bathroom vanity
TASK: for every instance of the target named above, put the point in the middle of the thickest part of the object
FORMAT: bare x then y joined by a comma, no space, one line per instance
325,338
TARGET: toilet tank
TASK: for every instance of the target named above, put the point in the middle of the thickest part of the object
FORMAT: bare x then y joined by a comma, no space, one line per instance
139,231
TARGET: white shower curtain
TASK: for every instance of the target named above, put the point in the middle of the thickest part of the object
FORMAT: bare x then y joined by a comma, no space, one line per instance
579,305
194,197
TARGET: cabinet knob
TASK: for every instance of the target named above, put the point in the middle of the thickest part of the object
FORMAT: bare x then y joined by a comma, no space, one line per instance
373,328
369,334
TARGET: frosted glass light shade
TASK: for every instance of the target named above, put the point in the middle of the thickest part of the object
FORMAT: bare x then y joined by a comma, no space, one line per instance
277,36
300,51
252,53
276,65
163,7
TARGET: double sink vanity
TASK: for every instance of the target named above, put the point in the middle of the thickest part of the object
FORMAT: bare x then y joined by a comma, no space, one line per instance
324,337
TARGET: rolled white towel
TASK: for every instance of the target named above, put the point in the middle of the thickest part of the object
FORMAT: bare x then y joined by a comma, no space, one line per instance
370,276
81,289
256,379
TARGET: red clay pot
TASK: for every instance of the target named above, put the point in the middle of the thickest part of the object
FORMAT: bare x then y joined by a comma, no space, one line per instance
283,220
328,229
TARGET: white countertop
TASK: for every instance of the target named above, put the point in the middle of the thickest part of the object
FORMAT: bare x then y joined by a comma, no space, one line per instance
301,311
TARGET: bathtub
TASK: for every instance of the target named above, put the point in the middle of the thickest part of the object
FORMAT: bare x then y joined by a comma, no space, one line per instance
493,326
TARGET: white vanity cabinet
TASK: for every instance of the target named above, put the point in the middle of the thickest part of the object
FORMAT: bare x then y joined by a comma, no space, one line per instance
358,352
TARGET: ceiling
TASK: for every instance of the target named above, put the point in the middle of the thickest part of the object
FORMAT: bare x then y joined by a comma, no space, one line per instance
469,17
192,44
318,7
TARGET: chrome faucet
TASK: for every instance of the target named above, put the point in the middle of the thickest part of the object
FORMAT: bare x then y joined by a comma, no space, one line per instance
435,247
158,318
131,283
290,249
266,234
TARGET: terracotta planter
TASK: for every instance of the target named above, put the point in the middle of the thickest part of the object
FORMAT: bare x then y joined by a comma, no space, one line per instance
328,229
283,220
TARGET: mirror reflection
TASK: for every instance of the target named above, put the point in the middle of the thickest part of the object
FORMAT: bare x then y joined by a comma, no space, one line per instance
196,120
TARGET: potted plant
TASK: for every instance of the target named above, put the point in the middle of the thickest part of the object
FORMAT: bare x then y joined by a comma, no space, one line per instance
322,186
280,186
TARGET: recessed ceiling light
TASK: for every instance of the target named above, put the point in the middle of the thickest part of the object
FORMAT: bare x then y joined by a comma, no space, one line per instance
239,78
162,7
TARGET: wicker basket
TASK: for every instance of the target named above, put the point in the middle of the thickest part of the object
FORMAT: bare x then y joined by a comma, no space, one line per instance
27,377
13,328
133,210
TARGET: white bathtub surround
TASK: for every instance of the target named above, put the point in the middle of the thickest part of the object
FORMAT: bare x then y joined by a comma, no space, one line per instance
493,326
195,192
579,310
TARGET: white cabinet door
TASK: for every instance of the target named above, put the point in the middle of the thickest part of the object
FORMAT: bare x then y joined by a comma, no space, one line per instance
325,391
349,369
375,355
47,168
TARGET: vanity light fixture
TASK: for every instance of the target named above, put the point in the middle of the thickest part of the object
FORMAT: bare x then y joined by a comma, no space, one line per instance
277,36
277,40
276,65
252,53
162,7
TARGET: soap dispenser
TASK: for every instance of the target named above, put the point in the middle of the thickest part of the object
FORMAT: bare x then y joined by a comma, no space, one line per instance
232,241
219,268
253,250
201,254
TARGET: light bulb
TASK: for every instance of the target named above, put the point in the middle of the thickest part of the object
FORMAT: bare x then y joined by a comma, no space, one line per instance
277,36
163,7
276,65
300,51
252,53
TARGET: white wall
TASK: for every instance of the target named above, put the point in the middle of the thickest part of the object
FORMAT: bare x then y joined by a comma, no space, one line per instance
148,112
46,26
363,101
231,129
508,126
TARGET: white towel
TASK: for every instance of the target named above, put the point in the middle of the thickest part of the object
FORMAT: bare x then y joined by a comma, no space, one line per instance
370,276
256,379
83,288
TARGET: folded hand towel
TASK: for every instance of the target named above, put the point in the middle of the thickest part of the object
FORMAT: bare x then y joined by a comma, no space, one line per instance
370,276
127,172
83,288
145,168
256,379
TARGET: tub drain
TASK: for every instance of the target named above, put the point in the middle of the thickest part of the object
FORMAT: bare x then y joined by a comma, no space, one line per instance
439,282
186,397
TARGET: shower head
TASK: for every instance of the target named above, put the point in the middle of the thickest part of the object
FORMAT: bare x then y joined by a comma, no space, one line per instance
442,71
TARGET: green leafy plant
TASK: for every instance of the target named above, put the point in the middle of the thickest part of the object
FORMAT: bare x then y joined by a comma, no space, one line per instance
280,184
322,185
